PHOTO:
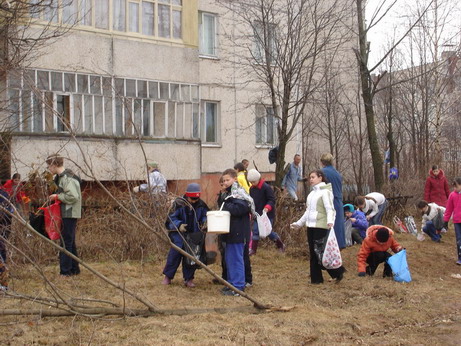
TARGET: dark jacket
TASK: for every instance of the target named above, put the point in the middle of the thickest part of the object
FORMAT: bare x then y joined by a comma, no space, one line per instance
436,189
194,217
264,197
239,231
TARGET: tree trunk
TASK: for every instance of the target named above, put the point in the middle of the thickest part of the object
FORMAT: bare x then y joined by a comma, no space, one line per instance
367,95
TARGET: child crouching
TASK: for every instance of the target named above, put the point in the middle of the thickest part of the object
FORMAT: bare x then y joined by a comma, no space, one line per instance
430,212
374,250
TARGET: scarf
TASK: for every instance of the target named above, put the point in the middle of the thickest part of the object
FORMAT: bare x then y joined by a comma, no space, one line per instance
239,192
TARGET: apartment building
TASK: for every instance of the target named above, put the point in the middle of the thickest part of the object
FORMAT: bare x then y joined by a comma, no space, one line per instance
137,80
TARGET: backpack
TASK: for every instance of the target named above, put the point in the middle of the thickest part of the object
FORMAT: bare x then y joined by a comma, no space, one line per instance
273,153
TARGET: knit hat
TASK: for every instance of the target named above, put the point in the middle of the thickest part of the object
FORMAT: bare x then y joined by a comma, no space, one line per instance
193,190
253,175
348,207
382,235
153,165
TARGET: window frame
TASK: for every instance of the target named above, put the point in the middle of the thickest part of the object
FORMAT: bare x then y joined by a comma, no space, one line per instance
264,127
214,54
259,52
203,123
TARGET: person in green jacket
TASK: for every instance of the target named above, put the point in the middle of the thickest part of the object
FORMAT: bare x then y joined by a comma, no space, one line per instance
70,195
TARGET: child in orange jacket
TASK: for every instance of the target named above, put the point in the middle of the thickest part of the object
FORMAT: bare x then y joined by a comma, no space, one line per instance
374,250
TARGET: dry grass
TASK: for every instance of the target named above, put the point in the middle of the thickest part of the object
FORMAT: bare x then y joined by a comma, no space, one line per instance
356,311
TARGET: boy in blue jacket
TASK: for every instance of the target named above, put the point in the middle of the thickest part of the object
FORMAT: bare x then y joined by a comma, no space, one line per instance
189,216
359,222
238,204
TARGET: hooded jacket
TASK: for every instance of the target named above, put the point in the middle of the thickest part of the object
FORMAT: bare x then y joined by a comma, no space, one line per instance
436,189
453,207
319,208
371,244
70,194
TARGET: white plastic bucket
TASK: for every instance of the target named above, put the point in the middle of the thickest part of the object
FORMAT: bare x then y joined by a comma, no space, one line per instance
218,221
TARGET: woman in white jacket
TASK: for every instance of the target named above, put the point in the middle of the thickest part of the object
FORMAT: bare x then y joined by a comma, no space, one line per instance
319,219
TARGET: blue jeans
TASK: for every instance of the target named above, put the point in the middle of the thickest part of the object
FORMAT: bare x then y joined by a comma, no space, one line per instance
272,236
378,218
430,230
235,265
292,193
458,239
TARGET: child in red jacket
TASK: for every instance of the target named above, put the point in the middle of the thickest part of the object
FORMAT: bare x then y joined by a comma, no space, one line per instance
454,208
374,250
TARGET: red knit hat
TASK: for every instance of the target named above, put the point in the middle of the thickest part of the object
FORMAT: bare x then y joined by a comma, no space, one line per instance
193,190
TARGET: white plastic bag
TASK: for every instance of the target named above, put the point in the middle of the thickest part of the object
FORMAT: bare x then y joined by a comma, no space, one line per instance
264,225
331,258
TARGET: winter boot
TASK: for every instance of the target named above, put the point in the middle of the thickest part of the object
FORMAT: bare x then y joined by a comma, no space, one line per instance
254,247
278,242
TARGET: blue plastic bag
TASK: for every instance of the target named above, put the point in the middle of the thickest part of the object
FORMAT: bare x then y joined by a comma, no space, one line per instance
399,266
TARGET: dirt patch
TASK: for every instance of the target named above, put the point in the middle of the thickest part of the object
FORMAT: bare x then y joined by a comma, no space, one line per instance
356,311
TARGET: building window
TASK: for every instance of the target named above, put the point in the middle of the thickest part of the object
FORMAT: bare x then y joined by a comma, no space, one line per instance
54,101
266,125
207,32
265,44
210,122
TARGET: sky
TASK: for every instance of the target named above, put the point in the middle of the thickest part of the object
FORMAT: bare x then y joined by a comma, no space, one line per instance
397,21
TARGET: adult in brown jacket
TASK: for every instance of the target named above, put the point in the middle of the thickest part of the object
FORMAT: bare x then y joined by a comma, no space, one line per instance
374,250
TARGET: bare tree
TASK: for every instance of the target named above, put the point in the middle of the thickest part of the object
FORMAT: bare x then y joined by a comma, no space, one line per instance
283,54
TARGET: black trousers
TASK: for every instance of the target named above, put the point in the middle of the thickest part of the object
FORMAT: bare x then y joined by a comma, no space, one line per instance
68,266
374,259
316,267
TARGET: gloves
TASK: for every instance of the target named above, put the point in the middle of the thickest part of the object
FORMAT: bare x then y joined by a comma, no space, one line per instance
183,228
136,189
445,225
294,226
362,274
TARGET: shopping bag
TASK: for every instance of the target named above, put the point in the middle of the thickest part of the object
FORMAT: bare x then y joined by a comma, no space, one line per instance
211,247
53,220
411,225
348,232
194,245
264,225
331,258
399,266
399,225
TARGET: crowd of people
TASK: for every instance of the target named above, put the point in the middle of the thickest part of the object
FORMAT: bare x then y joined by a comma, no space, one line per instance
247,196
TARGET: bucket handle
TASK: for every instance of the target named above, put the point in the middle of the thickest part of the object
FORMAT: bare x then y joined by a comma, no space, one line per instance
222,205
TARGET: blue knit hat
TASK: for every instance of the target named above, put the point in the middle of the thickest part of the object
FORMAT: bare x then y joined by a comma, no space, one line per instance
193,190
348,207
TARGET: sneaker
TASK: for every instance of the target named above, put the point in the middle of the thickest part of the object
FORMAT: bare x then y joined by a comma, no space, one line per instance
458,262
166,281
339,278
230,293
189,283
224,289
248,284
443,230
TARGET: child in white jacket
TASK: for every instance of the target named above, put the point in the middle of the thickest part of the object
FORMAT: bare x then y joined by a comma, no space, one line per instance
319,219
432,219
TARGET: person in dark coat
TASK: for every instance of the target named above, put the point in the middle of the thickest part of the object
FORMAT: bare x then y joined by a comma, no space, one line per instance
436,189
264,199
336,181
5,230
189,216
237,203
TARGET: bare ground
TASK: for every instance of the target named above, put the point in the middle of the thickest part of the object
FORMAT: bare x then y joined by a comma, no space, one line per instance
369,310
